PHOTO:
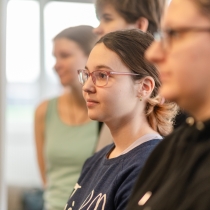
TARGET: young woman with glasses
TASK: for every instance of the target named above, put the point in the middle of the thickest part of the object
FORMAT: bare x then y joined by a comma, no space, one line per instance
177,174
120,89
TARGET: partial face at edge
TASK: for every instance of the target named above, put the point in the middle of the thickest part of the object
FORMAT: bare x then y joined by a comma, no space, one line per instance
111,20
184,66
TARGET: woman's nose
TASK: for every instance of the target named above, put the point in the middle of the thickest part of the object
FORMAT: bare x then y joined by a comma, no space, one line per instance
57,65
89,86
98,30
154,53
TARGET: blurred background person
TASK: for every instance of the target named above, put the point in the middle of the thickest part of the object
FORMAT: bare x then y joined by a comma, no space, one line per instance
176,175
126,14
65,136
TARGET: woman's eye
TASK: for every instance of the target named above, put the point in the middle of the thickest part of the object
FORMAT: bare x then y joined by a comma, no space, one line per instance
102,75
65,55
85,75
173,34
107,19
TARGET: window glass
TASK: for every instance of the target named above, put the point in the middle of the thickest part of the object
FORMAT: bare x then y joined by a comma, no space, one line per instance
22,73
22,64
61,15
25,88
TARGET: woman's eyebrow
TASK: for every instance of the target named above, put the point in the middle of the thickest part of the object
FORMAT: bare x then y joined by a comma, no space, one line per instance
106,15
99,67
103,67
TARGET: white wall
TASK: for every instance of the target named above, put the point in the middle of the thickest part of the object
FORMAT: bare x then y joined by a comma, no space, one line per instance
2,103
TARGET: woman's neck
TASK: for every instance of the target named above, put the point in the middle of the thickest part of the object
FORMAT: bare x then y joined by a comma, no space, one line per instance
75,97
202,113
126,132
72,108
200,109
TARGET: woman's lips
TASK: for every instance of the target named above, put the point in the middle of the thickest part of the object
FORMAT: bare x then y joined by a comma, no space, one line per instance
91,103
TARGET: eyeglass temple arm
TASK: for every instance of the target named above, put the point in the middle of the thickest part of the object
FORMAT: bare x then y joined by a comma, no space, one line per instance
122,73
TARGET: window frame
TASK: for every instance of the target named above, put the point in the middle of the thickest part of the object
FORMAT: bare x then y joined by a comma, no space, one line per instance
43,77
3,197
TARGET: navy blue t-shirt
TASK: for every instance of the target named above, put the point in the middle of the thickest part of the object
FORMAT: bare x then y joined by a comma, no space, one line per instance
106,184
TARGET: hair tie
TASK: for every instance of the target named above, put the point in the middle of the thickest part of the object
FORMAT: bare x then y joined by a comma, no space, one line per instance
162,101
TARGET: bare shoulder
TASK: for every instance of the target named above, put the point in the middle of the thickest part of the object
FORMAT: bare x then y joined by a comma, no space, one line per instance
39,122
41,110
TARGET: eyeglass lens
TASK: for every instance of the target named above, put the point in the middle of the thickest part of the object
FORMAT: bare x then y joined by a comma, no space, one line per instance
99,78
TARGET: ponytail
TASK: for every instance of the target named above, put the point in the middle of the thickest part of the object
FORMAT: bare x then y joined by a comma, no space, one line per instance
160,114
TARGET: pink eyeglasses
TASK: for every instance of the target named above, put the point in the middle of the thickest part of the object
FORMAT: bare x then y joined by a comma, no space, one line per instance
99,77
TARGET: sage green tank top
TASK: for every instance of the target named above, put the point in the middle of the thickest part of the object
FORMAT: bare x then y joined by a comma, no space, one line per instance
66,149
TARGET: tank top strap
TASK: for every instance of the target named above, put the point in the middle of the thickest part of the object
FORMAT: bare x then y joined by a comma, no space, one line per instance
52,110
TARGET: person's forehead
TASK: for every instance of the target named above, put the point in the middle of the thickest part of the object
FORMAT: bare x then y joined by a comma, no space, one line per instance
181,13
108,9
101,55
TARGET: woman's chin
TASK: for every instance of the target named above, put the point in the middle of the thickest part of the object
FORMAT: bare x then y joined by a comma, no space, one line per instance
94,116
69,82
64,83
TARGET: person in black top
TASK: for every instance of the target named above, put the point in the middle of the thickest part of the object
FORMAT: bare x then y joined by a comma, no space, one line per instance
177,174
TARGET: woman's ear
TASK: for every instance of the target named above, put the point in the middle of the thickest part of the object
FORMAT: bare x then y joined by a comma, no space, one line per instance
145,87
142,23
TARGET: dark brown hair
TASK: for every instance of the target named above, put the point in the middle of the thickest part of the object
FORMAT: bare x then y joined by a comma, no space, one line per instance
132,10
130,46
82,35
203,7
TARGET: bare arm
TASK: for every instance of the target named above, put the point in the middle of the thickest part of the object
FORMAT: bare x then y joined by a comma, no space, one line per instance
40,138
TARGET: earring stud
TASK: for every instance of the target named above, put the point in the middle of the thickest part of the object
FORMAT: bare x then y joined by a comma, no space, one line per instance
140,98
